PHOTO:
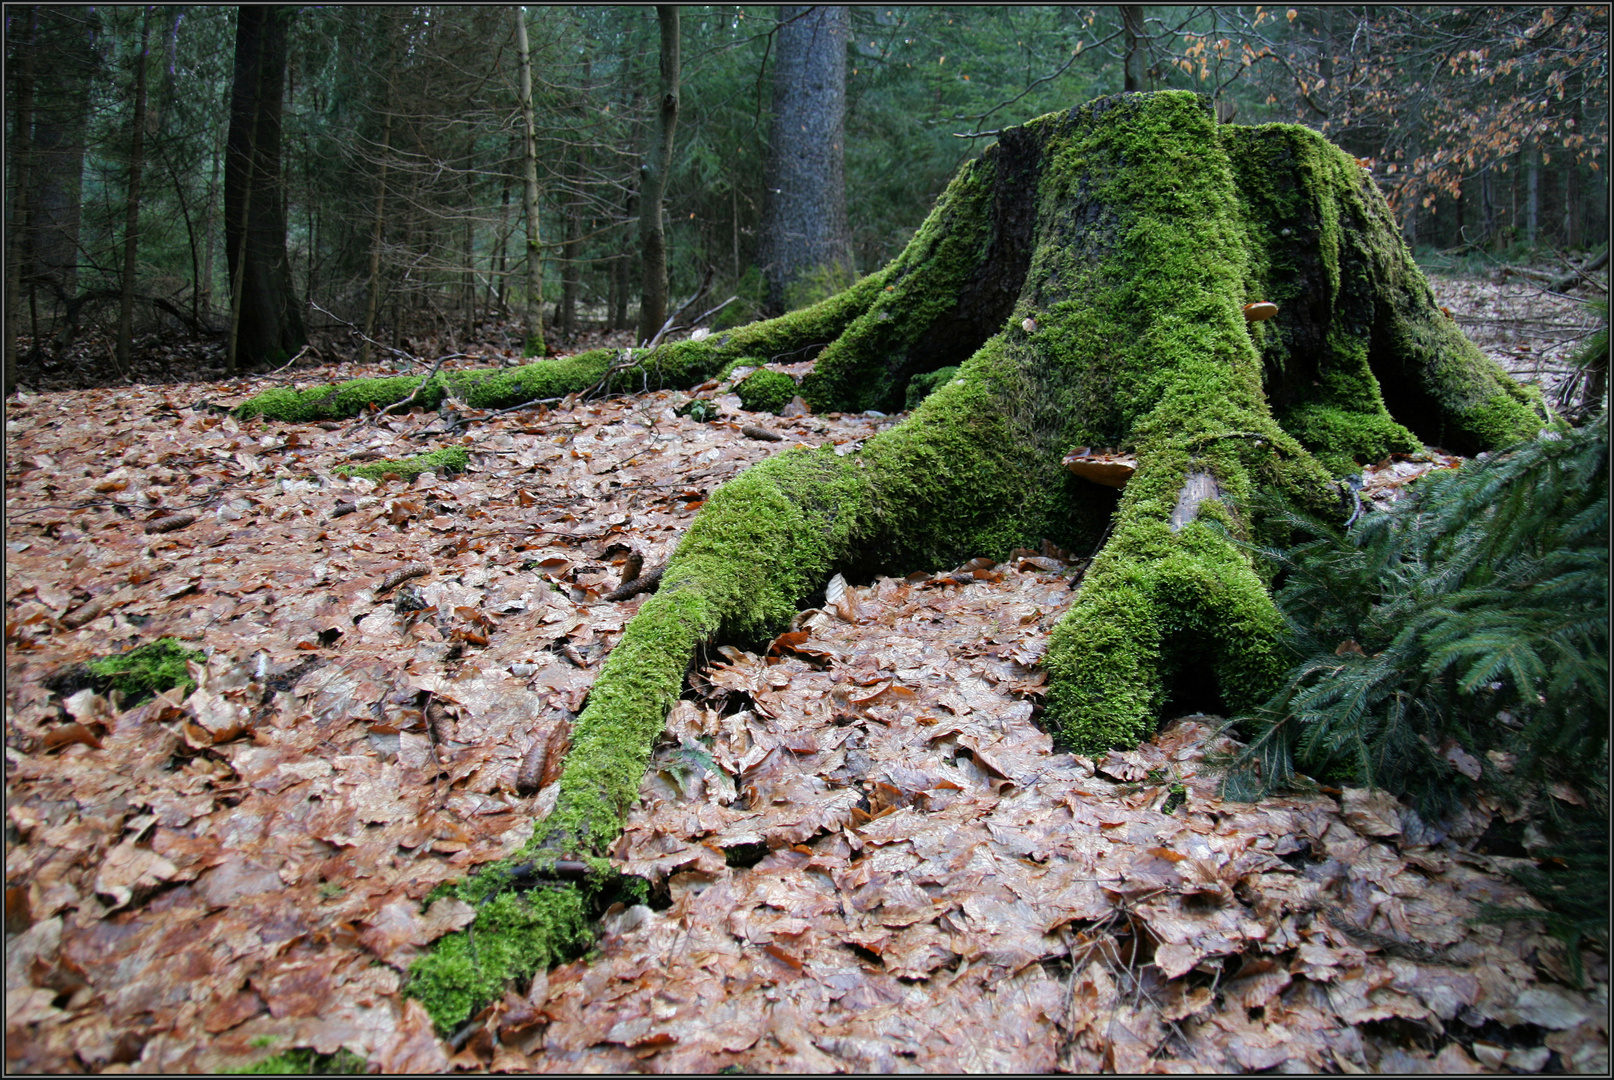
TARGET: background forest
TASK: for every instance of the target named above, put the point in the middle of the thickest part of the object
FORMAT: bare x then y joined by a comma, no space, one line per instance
392,147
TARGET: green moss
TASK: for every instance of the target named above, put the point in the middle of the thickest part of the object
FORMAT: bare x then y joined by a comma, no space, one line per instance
335,402
675,365
304,1062
1357,319
143,673
922,284
921,386
449,459
766,391
515,935
1344,441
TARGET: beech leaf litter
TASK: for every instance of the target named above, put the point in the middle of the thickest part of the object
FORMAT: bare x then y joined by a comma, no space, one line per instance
866,855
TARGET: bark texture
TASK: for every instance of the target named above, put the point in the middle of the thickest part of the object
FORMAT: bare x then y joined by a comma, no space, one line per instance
1089,270
269,318
653,182
131,219
804,204
61,112
534,307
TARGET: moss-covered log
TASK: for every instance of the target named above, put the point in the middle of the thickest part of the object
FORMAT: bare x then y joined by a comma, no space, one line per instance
673,365
1088,272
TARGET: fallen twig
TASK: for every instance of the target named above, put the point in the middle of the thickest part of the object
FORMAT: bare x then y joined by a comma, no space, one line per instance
402,574
1577,274
302,352
402,406
641,584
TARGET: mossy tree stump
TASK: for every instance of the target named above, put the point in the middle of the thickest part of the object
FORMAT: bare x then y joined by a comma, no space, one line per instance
1088,273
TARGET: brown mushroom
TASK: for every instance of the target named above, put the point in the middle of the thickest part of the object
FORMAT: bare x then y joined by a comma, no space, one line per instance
1101,466
1259,311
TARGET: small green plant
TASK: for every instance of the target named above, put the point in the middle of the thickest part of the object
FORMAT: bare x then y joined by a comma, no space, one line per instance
141,674
450,459
766,391
1175,797
1570,879
304,1062
701,410
1585,393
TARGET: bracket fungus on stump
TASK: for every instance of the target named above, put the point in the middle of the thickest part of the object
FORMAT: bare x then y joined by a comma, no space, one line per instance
1090,272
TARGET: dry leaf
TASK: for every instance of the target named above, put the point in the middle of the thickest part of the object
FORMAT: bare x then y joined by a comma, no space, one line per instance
129,869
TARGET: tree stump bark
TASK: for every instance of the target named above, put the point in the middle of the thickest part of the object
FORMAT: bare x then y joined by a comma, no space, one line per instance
1089,272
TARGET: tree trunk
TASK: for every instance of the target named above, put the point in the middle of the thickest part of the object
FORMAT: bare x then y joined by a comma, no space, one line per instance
17,232
496,287
1135,66
1088,272
61,113
571,254
623,269
653,182
1573,235
269,322
533,342
378,224
208,231
804,234
1532,206
131,218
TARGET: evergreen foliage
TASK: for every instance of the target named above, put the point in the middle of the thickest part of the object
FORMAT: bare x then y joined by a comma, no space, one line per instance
1464,628
1471,615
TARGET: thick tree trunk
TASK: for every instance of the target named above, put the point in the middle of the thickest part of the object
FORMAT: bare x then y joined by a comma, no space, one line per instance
1089,272
653,182
61,113
18,232
269,321
804,231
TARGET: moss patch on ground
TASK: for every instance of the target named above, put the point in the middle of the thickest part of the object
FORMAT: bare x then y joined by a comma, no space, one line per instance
142,673
305,1062
449,459
766,391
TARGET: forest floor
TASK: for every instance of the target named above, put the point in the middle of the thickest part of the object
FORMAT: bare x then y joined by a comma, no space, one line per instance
867,855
